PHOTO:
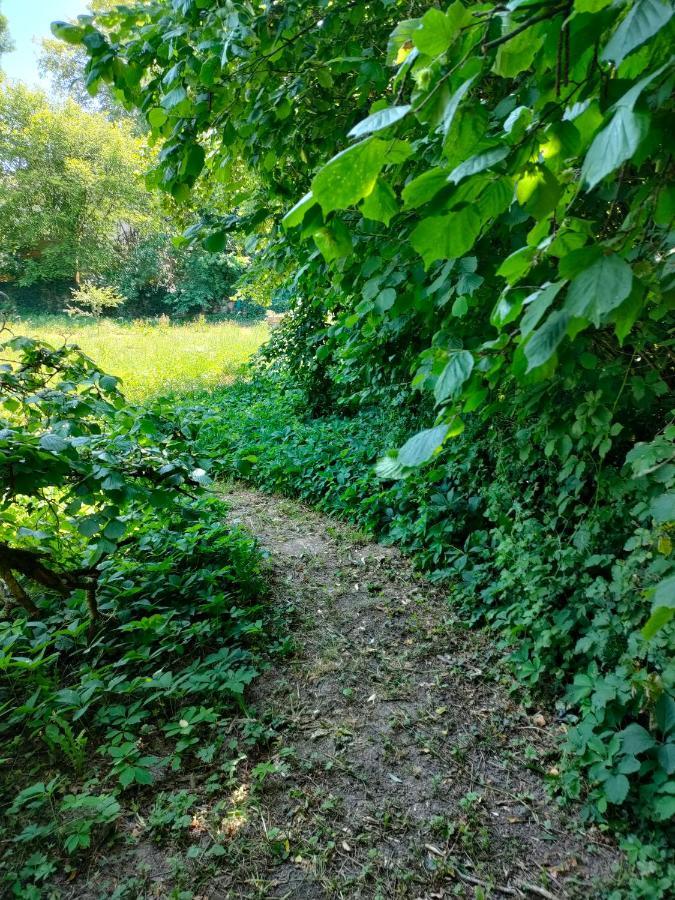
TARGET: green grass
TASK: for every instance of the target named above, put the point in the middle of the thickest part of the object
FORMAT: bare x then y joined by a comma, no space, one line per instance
154,358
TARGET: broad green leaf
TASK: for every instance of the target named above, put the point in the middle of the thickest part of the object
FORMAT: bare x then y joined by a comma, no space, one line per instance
635,739
517,54
381,204
65,31
615,788
644,19
664,594
350,176
333,241
174,97
438,30
389,468
620,140
385,299
496,198
478,163
466,134
666,757
157,117
296,214
657,620
614,145
446,237
517,264
53,442
460,307
193,161
422,446
665,205
209,70
545,340
662,508
537,304
453,104
216,242
114,530
599,289
507,307
379,120
453,376
425,187
538,191
664,712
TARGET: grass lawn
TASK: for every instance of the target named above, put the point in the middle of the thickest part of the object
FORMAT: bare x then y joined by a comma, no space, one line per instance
150,357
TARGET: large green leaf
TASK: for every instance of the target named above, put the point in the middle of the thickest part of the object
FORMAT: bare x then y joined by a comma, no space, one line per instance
425,187
537,304
538,191
453,376
616,788
619,140
636,739
446,237
663,607
438,30
65,31
644,19
296,214
599,289
614,145
421,447
379,120
381,203
350,176
452,105
516,54
333,241
545,340
157,116
478,163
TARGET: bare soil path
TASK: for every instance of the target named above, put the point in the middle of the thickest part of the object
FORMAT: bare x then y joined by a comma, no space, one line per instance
402,767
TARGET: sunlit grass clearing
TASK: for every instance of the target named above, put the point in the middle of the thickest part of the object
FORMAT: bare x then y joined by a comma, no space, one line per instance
152,358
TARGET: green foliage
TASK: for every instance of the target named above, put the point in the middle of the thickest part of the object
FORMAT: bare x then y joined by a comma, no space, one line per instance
71,191
6,43
487,208
134,616
157,278
91,300
565,568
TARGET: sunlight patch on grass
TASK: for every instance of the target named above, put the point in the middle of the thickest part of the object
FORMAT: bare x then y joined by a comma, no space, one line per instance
153,358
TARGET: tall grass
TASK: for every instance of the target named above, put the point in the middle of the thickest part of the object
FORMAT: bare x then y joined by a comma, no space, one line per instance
154,357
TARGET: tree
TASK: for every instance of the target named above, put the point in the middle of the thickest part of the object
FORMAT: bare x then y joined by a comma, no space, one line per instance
72,190
5,38
64,65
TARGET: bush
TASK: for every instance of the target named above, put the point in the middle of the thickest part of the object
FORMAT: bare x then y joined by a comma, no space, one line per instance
565,577
93,300
134,616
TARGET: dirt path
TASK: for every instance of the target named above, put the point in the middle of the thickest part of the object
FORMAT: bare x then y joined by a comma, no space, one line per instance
402,769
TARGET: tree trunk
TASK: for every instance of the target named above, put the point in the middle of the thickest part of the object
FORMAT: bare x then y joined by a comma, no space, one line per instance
17,592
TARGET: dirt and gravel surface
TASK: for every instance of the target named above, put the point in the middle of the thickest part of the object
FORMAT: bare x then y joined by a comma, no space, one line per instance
408,770
382,757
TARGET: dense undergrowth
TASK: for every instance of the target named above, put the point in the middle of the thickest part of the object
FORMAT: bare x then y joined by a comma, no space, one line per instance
561,561
134,618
